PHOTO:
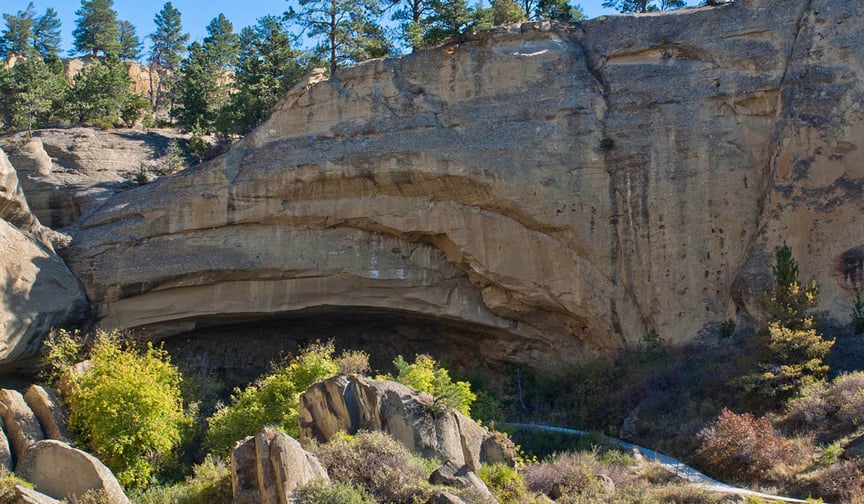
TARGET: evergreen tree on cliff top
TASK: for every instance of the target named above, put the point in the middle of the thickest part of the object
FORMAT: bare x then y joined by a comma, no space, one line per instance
342,27
203,85
266,68
130,44
167,49
26,34
169,41
46,33
97,29
221,43
639,6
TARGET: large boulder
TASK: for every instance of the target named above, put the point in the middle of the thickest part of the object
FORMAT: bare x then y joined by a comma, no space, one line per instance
353,403
60,471
37,293
49,409
268,467
22,426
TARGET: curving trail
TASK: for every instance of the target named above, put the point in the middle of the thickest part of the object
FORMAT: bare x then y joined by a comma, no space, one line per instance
671,464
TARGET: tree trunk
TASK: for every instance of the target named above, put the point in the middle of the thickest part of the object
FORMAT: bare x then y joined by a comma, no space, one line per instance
333,28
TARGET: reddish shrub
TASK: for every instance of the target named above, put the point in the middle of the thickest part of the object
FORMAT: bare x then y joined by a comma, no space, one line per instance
742,447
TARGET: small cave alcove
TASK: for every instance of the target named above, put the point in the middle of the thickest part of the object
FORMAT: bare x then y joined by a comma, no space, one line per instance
232,352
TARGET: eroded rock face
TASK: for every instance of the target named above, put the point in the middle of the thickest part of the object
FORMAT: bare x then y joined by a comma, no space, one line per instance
571,187
353,403
64,173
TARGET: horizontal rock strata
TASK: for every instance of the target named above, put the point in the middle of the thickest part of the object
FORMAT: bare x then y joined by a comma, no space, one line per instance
573,187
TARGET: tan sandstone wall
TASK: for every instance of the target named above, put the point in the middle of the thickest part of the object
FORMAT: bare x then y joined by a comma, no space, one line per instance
478,182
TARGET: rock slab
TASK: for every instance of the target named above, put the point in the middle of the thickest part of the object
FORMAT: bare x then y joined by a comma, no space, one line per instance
353,403
22,426
60,471
49,409
268,467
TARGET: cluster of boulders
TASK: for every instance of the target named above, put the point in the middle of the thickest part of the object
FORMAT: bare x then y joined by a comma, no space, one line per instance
268,467
35,444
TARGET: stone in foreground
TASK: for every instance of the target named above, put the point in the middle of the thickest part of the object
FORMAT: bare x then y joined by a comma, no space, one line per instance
268,467
60,471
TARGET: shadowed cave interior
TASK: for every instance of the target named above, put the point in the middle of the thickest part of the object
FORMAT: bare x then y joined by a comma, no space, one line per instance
231,352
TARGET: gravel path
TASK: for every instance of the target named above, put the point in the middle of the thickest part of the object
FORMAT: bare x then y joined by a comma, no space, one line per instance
671,464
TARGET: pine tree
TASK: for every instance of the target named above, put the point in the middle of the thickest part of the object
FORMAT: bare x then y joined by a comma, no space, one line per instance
96,28
195,81
130,44
166,52
412,13
169,41
100,92
203,86
17,37
221,43
506,12
46,33
266,68
26,34
342,27
559,10
449,19
29,92
787,301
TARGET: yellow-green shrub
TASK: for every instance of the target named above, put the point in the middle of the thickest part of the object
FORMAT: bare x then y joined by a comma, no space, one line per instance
127,408
272,400
427,376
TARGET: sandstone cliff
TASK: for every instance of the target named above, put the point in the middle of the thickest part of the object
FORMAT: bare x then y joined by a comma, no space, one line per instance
37,290
556,190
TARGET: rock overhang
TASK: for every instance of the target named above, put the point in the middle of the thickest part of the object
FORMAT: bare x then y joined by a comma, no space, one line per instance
577,184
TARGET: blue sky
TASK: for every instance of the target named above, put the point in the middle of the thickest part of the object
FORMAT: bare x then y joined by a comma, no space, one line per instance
196,14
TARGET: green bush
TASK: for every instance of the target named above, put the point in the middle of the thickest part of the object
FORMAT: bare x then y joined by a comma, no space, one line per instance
210,482
63,350
505,483
427,376
127,408
272,400
321,492
379,464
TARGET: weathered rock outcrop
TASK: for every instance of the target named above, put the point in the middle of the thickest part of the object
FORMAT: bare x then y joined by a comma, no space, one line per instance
37,290
60,471
452,475
64,173
562,189
22,427
353,403
268,467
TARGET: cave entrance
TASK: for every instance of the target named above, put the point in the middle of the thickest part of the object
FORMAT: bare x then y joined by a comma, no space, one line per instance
232,352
